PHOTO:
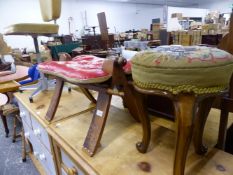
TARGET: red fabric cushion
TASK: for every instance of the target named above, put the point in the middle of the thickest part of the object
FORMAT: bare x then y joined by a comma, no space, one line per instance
82,69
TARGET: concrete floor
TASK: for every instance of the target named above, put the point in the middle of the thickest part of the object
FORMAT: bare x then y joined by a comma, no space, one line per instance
10,154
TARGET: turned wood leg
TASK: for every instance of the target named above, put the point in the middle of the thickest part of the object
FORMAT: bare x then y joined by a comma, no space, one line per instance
96,128
55,100
184,120
222,126
14,129
4,121
145,122
23,145
202,114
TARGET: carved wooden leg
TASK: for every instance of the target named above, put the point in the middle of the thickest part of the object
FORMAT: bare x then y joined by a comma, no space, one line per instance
185,114
98,123
222,125
4,121
87,93
203,112
145,122
55,100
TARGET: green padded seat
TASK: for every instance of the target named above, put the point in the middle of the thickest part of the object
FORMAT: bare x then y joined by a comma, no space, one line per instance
183,69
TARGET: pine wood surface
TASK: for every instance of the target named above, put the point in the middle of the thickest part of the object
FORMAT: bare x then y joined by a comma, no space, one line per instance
9,86
117,153
71,103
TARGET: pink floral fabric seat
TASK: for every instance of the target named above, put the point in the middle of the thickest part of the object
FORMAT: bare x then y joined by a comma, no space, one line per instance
82,69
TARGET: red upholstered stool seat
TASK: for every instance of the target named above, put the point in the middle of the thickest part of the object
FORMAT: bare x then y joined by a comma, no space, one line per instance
82,69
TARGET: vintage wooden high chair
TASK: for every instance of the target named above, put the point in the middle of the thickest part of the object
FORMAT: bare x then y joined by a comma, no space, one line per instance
7,109
50,10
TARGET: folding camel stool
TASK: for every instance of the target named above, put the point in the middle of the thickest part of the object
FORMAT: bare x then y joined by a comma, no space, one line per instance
86,72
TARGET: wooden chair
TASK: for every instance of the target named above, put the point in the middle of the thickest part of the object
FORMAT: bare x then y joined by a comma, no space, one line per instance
7,109
50,10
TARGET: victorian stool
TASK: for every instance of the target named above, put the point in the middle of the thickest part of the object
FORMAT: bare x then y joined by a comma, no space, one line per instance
191,77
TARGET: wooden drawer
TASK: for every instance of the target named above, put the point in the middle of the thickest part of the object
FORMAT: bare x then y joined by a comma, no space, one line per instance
25,115
43,156
41,134
63,172
28,132
69,164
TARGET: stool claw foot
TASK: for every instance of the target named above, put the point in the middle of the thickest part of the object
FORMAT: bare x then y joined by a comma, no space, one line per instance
24,160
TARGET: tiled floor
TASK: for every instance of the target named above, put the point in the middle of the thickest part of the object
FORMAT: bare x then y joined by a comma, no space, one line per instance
10,155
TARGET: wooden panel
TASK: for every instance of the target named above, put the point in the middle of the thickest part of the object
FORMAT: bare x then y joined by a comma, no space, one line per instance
118,147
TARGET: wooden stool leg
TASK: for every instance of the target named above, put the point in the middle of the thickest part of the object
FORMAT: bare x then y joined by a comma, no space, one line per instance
222,126
14,129
55,100
145,122
87,93
4,121
203,112
23,145
96,128
184,113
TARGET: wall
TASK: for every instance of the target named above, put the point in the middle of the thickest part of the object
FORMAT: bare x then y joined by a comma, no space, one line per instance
120,16
222,6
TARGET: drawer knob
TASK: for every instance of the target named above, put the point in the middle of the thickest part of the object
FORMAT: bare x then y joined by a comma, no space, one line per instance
35,153
27,134
72,171
22,114
37,132
42,157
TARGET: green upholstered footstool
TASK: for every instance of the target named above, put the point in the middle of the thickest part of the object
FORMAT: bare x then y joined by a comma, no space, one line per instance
191,77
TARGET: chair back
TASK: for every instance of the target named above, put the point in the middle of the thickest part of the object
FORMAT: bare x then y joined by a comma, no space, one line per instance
50,9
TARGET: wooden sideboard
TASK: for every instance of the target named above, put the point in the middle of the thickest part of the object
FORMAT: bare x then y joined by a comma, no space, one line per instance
61,141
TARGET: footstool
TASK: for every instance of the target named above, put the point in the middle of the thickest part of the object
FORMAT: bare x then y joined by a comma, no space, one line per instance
191,77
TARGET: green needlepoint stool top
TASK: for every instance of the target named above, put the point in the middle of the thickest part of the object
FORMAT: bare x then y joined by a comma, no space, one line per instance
183,69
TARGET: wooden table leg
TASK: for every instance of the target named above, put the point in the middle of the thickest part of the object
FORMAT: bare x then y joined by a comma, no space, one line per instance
185,115
202,114
4,121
